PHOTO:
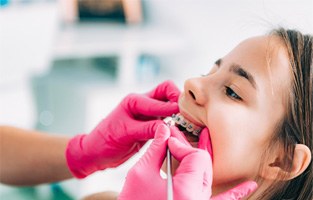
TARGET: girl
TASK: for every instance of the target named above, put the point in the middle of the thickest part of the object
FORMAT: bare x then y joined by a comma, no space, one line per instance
256,105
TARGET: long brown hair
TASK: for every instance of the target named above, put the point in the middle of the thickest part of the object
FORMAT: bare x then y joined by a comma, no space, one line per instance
297,125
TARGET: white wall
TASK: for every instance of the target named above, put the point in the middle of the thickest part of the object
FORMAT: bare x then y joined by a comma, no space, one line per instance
26,41
206,30
214,27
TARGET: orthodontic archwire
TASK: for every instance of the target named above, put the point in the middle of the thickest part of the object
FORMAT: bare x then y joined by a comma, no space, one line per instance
190,127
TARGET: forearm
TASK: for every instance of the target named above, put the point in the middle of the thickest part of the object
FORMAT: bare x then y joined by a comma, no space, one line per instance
29,157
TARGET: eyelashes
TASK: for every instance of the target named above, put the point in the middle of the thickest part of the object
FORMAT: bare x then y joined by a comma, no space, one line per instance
228,91
231,94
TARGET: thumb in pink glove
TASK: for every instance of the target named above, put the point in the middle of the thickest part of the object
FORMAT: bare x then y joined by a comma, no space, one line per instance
143,181
123,132
193,177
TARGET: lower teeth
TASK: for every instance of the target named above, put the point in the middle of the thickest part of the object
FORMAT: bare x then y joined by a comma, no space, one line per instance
188,134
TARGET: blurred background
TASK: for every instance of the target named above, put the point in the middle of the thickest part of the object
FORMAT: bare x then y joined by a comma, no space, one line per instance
64,65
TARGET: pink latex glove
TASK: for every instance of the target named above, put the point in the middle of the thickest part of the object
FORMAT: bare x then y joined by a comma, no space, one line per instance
123,132
192,179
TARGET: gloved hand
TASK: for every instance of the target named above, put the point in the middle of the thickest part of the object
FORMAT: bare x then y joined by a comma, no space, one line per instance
192,179
123,132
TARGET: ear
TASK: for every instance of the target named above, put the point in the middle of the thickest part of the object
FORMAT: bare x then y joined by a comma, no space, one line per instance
300,161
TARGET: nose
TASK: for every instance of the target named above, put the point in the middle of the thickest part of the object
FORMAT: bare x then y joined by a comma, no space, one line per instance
194,89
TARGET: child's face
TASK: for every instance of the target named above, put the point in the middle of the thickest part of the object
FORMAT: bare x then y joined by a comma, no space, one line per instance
240,101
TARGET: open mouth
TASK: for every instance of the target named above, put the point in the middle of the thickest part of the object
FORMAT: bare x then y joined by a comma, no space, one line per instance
189,129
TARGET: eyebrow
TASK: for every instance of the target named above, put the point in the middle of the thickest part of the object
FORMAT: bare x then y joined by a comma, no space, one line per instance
240,71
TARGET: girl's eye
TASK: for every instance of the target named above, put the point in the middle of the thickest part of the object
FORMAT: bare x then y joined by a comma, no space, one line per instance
232,94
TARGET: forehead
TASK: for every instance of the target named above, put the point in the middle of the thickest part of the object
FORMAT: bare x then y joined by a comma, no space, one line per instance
266,58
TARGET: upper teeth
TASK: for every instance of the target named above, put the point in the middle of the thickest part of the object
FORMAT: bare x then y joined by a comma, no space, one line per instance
190,127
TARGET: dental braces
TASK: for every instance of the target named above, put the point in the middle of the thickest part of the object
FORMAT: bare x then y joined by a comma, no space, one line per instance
180,120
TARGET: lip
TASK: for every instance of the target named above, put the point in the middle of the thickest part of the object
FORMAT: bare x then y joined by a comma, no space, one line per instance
191,119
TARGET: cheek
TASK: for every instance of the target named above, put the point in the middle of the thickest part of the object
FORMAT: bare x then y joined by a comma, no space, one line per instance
236,160
235,148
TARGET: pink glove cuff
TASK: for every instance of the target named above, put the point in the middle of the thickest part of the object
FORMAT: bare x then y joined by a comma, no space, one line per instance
76,160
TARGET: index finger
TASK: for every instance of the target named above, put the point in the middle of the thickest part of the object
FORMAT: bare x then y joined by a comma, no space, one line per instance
166,91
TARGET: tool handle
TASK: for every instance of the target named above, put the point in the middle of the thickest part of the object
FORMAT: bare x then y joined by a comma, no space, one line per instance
169,176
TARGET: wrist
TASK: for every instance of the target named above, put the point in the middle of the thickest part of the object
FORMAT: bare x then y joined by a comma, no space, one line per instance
77,161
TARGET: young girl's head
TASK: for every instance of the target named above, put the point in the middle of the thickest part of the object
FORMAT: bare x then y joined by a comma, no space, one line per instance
257,105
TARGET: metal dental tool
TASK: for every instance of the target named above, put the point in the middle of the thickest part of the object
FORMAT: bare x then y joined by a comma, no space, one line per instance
169,122
191,129
169,176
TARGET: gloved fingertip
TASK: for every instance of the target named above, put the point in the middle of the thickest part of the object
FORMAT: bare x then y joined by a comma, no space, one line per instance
178,148
203,139
147,130
166,91
162,132
174,90
173,107
173,142
242,190
164,109
252,185
153,126
176,133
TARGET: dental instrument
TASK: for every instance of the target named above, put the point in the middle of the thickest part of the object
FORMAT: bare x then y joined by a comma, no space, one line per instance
190,128
169,176
169,122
